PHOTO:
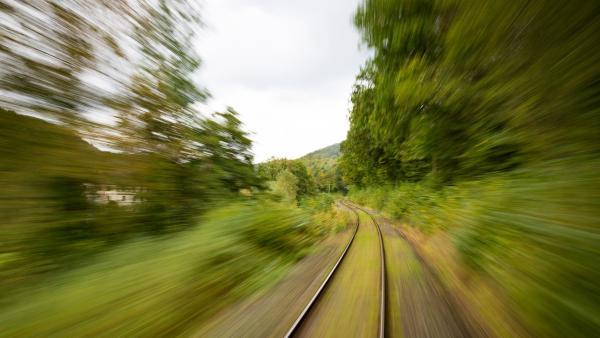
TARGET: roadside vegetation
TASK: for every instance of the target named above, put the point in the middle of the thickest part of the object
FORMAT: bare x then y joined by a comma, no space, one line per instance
127,209
152,286
322,167
481,120
151,219
289,182
312,174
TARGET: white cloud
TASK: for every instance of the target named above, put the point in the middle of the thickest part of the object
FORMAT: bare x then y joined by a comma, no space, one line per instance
287,67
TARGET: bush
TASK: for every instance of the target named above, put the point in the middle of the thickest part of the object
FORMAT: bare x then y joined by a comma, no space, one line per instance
319,202
534,232
154,287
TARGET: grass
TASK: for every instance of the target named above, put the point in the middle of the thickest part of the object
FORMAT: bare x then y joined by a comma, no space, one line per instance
352,297
532,233
152,287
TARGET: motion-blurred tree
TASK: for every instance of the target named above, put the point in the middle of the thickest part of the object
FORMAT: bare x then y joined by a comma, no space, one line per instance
467,93
52,54
118,75
269,170
286,186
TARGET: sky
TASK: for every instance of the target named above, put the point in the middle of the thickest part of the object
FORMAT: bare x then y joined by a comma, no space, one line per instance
286,66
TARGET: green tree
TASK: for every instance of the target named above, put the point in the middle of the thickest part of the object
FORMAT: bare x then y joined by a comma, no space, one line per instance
462,94
269,170
286,186
65,62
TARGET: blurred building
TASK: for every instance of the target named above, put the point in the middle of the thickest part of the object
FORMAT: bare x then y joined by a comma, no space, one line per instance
111,193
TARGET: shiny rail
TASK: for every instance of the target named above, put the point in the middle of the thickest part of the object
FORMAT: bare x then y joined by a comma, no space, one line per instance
382,299
304,314
382,279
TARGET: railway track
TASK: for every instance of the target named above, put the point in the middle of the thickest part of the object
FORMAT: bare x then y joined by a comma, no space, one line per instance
382,277
306,312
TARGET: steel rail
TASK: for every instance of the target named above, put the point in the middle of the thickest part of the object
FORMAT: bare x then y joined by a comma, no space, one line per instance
382,299
315,297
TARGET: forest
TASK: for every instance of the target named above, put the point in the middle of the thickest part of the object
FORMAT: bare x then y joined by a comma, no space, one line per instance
129,207
115,183
486,126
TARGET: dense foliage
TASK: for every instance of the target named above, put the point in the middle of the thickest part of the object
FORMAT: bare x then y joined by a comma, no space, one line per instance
169,286
483,118
71,84
322,167
458,91
310,174
295,178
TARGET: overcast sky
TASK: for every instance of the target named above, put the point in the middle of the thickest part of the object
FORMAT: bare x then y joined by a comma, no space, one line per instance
287,66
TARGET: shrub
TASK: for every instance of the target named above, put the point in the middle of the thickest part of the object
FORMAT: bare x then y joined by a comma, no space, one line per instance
154,287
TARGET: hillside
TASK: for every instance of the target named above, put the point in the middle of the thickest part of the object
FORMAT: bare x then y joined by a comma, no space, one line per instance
331,152
322,166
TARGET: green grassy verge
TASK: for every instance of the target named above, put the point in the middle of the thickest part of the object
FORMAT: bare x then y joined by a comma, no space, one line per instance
158,287
533,235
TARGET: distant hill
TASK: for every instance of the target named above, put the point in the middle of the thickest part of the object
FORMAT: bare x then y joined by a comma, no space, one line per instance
331,152
322,166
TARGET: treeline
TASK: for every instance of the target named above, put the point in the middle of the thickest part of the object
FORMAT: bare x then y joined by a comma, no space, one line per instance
291,180
322,166
483,118
169,285
112,76
288,179
456,91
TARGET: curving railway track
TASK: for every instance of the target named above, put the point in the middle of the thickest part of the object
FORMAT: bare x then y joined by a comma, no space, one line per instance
382,278
308,312
347,290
